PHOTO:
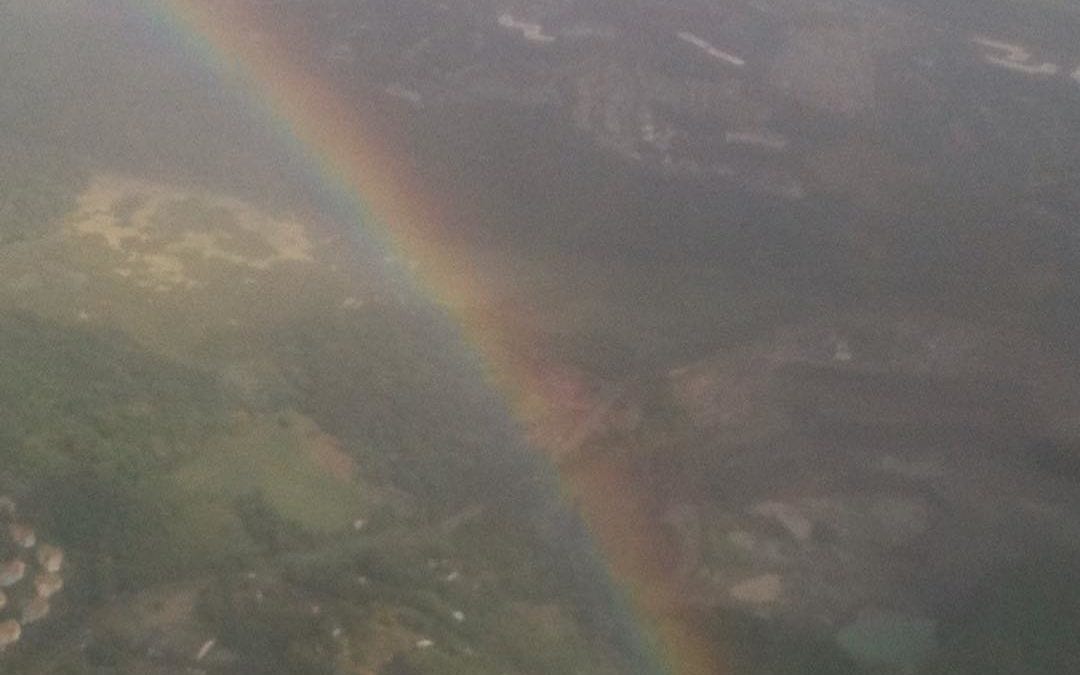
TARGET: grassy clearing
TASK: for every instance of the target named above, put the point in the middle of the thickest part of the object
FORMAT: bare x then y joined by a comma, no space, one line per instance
282,458
263,485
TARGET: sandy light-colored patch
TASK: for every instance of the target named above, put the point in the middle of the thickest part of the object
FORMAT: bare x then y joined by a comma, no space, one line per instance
163,234
173,267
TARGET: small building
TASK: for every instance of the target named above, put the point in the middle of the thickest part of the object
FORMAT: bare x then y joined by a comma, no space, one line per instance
12,572
10,632
51,558
48,584
22,535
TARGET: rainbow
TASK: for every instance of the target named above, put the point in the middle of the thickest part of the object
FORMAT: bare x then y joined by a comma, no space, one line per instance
352,154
